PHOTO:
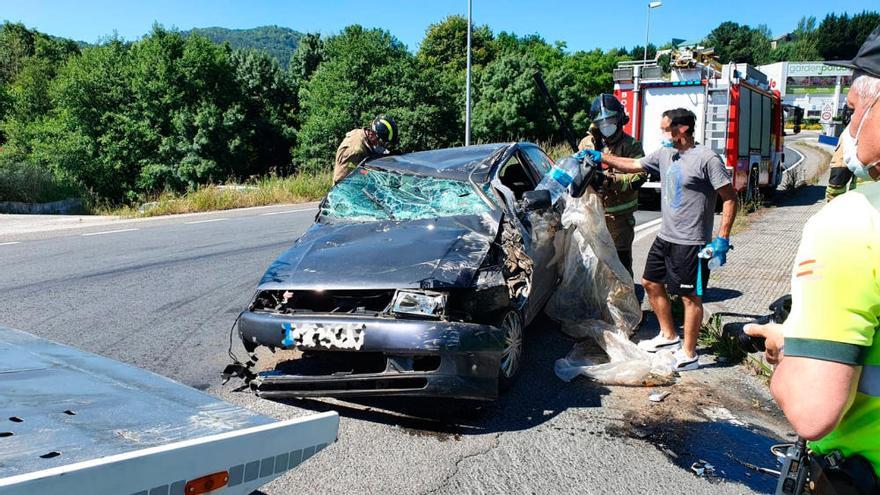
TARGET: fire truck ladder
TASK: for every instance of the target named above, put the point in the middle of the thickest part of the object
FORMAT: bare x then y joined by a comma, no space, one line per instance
715,129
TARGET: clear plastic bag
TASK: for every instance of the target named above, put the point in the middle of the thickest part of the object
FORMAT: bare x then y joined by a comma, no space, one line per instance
596,300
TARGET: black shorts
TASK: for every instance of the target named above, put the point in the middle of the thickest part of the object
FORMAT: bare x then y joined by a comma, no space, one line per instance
676,266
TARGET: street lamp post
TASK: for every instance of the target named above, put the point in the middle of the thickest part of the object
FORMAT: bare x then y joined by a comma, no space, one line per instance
651,5
467,97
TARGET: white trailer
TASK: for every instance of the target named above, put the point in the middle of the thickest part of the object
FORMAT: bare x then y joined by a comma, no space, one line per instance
75,423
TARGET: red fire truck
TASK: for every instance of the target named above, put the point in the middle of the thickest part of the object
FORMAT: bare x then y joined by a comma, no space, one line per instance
738,115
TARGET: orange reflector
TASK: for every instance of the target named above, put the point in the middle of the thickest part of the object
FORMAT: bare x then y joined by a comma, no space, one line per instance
207,483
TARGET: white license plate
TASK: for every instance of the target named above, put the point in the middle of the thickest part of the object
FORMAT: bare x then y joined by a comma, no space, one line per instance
347,336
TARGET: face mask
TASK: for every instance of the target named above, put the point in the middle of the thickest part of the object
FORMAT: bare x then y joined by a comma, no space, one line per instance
851,150
607,128
667,140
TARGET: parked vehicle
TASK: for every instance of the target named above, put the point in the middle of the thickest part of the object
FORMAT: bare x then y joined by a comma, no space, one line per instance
738,115
418,278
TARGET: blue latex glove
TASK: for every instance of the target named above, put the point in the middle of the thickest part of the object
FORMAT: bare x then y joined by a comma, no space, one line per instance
720,247
593,155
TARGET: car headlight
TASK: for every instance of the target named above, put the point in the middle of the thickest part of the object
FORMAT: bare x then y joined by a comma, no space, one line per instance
420,303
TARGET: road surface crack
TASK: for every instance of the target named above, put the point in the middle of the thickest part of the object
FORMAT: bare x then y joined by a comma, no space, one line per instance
496,441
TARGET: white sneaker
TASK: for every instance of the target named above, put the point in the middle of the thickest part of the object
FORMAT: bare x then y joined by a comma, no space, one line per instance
683,362
659,343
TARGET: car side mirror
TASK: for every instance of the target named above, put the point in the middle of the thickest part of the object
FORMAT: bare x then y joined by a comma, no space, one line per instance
536,200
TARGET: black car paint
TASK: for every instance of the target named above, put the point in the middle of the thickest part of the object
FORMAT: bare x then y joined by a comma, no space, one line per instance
421,254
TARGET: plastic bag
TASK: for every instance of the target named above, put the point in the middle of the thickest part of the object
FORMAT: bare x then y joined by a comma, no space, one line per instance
596,300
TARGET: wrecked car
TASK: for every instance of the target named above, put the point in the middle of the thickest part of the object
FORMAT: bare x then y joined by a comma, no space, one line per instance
418,278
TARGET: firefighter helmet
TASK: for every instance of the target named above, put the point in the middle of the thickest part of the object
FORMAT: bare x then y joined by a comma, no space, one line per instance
607,106
386,129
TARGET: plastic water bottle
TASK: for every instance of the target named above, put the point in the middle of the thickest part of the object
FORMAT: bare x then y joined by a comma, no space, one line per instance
559,178
709,254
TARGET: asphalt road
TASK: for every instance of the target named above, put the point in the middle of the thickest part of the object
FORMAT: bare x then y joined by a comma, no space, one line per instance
162,294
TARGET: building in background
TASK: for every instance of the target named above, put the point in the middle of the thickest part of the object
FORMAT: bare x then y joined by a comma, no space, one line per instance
813,86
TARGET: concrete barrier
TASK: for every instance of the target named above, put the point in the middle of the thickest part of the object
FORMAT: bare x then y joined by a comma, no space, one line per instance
63,207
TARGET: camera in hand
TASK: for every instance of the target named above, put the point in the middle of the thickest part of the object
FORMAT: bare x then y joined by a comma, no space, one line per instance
734,331
747,343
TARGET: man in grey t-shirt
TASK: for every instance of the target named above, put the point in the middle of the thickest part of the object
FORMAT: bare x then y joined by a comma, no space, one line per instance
690,177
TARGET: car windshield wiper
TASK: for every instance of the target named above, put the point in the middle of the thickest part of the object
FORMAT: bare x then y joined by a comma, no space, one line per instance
378,203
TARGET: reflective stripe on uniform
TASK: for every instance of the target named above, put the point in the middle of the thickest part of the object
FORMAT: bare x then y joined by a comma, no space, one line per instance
625,206
869,383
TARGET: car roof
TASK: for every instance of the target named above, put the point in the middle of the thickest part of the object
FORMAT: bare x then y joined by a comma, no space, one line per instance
458,163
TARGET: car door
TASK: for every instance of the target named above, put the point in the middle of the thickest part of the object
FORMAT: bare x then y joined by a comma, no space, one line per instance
542,228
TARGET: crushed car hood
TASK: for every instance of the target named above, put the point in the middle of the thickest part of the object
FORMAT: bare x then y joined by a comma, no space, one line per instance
428,254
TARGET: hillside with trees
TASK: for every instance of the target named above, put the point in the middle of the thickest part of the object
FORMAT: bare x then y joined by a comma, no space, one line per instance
279,42
119,122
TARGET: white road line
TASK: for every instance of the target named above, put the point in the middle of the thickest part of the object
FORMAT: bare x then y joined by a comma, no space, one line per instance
797,163
206,221
648,225
108,232
285,211
645,233
9,243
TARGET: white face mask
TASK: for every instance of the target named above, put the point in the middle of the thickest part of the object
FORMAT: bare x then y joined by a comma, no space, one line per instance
607,128
851,149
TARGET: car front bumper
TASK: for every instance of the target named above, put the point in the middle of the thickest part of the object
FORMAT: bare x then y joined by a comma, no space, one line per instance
469,355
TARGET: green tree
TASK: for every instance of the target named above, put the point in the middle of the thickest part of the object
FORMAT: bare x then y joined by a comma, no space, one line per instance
442,60
509,107
802,46
839,37
365,72
308,56
739,43
445,45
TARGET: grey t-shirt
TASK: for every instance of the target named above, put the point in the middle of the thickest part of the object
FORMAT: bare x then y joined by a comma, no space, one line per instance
688,181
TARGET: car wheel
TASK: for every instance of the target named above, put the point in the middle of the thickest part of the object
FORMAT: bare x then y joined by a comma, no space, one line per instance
511,356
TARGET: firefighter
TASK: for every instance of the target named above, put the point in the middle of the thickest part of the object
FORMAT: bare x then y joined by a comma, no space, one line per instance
827,353
360,144
840,179
620,194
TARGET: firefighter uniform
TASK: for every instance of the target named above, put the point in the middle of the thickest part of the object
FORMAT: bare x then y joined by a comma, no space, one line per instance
354,149
620,194
840,179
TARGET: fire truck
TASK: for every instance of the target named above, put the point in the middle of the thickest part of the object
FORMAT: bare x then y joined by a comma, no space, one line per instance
739,115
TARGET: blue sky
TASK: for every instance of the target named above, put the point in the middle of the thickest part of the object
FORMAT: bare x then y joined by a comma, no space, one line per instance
583,25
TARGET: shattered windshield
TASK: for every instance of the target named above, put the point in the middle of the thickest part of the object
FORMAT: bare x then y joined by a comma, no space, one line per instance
371,195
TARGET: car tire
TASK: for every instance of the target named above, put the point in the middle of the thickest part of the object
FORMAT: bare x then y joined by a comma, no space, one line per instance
511,357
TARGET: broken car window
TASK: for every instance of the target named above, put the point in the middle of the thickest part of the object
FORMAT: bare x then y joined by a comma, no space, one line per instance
373,195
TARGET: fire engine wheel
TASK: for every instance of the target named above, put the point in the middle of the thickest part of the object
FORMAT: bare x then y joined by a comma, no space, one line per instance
753,190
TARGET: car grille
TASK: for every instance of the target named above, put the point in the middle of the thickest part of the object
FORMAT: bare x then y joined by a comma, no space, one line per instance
331,301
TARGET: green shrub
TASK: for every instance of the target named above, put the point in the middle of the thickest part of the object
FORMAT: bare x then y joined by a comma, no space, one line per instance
31,184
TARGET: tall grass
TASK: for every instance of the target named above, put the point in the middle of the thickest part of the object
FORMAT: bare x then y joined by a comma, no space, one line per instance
265,191
31,184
